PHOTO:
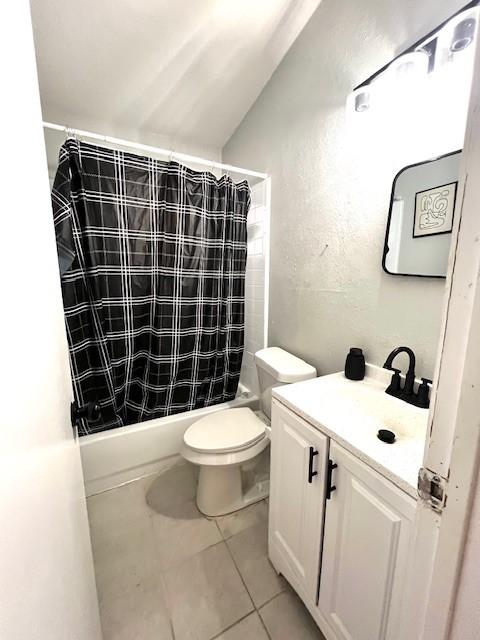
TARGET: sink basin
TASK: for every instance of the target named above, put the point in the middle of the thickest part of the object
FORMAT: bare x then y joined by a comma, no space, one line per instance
367,403
352,413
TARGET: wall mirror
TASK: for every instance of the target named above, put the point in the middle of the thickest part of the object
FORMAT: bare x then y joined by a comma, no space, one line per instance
420,218
415,110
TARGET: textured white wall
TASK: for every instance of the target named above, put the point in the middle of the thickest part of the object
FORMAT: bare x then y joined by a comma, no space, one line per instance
325,299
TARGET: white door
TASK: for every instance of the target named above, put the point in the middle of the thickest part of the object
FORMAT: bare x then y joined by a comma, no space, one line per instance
47,587
297,494
368,531
453,449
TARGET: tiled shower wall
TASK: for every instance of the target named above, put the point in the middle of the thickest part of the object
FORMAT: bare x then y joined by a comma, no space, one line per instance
255,281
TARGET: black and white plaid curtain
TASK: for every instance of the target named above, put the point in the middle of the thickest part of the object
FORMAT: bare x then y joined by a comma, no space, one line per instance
152,258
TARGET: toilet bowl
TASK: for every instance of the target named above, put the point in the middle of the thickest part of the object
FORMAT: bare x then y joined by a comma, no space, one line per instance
226,443
220,444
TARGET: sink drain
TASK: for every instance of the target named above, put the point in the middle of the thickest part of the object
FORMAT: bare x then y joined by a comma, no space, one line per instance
386,436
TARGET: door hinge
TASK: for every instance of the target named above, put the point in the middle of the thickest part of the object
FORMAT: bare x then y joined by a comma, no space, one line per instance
432,489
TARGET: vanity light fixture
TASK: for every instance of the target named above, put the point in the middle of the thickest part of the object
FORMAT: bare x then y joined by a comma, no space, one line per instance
421,57
463,35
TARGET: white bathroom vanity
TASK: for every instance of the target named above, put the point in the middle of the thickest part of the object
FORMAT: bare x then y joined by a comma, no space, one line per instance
342,502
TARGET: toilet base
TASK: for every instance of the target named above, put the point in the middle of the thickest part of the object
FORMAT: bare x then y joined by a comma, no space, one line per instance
221,490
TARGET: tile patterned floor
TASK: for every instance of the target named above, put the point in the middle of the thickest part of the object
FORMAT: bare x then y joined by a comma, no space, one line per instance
165,572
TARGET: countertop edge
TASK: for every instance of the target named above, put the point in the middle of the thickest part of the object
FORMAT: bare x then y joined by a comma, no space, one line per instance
399,482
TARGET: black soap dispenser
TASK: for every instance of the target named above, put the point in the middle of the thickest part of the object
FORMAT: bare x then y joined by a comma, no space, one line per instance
355,364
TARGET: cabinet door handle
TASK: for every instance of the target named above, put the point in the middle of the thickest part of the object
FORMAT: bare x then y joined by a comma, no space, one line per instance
311,472
330,488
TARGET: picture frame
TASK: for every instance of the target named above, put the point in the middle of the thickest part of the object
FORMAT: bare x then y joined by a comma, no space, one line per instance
434,210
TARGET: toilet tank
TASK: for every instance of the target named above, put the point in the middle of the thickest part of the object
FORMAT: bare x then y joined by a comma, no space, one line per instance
276,367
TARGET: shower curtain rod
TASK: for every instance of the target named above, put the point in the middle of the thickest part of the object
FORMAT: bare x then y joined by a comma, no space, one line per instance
184,157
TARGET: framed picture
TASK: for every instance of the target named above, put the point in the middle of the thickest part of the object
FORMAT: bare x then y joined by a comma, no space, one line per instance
434,209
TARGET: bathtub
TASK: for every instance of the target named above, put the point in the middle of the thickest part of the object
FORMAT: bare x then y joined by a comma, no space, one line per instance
117,456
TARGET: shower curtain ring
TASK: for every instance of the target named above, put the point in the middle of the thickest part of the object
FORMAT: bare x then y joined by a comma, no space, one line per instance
70,133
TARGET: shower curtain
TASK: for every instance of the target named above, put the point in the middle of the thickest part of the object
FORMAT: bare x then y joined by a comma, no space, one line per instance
152,259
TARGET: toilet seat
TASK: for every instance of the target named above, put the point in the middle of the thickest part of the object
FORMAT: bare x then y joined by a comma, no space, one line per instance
225,432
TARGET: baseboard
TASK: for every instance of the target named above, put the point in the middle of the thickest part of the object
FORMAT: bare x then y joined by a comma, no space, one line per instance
99,485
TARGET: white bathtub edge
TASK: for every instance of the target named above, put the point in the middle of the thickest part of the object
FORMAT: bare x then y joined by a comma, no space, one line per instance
115,457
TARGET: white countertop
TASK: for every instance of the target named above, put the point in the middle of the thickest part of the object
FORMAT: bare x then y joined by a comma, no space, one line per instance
351,413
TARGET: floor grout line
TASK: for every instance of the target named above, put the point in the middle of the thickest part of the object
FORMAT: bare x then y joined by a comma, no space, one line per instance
253,610
270,600
181,562
223,542
220,531
172,628
223,539
241,577
247,590
233,625
121,485
262,622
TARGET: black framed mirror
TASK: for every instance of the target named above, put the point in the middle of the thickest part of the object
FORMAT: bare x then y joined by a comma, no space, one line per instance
420,218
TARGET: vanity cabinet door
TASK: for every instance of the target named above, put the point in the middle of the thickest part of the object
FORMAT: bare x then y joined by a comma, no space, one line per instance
297,499
368,531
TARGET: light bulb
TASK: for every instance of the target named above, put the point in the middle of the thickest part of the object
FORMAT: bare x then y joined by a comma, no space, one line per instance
463,35
362,101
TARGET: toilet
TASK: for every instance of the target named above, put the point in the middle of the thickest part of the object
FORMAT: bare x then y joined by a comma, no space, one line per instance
228,445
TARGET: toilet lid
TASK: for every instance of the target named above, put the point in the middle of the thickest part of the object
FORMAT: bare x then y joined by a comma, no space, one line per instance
223,431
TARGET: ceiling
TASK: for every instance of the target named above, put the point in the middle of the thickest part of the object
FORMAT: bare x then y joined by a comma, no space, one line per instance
188,70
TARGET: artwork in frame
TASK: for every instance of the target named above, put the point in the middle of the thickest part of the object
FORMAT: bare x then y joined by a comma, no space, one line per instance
434,210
